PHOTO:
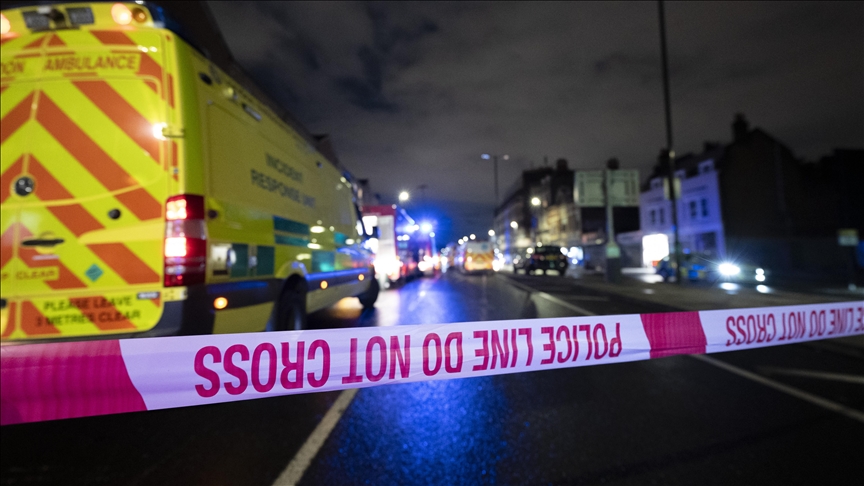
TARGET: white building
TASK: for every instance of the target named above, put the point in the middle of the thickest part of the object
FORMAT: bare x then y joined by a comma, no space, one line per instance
700,222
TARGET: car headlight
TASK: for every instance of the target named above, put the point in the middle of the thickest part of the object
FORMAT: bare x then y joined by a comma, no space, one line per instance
729,269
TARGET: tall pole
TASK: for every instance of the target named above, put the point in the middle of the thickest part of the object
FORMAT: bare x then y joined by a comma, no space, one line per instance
495,170
669,152
613,251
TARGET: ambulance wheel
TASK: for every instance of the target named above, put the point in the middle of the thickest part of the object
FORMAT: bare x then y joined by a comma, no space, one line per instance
368,298
290,312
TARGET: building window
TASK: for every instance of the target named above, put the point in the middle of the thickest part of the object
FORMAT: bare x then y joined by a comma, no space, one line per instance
662,216
693,210
704,208
653,217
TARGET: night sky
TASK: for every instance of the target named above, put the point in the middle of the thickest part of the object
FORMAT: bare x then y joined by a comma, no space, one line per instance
413,93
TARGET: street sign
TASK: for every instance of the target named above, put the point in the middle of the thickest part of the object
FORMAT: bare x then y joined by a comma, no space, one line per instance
847,237
624,188
588,189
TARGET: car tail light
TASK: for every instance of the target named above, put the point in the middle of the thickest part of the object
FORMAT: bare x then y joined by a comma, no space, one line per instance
185,249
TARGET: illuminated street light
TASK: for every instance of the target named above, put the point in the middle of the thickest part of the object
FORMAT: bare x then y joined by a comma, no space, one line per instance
491,232
432,234
535,201
514,225
404,196
426,227
495,169
473,236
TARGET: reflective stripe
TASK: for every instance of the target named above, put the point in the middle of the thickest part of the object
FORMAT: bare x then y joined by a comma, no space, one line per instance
15,118
55,41
65,280
112,37
100,165
33,322
124,263
149,67
122,114
10,321
82,147
35,44
288,226
14,170
77,219
7,244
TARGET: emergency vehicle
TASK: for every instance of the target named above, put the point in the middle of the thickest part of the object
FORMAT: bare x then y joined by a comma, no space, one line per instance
475,256
391,230
146,192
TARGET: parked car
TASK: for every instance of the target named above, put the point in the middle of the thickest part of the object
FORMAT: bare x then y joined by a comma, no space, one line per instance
697,267
542,258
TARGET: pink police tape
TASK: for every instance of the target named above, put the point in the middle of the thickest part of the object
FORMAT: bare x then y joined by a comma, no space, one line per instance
78,379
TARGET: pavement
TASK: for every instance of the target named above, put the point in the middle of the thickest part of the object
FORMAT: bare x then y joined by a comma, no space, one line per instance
642,285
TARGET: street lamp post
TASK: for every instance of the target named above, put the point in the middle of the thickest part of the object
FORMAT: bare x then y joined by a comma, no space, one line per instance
668,153
494,158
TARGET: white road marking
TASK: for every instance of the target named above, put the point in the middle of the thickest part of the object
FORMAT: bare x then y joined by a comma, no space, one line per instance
815,400
550,298
819,375
297,467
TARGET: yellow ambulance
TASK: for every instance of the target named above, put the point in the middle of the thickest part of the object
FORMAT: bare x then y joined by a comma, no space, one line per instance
145,192
475,256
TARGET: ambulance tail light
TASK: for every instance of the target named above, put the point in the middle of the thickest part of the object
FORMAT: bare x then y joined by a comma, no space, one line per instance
185,249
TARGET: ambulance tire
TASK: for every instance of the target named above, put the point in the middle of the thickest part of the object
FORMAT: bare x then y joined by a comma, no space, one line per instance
368,298
290,314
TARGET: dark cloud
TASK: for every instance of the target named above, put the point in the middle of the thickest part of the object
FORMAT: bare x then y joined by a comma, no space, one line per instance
413,92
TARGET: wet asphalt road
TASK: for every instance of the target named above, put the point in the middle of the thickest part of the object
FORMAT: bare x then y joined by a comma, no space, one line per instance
675,420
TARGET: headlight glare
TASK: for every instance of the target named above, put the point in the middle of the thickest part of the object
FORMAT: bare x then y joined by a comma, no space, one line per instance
729,269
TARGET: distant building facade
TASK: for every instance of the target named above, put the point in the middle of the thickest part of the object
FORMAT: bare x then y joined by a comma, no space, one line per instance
519,224
700,217
556,220
753,199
